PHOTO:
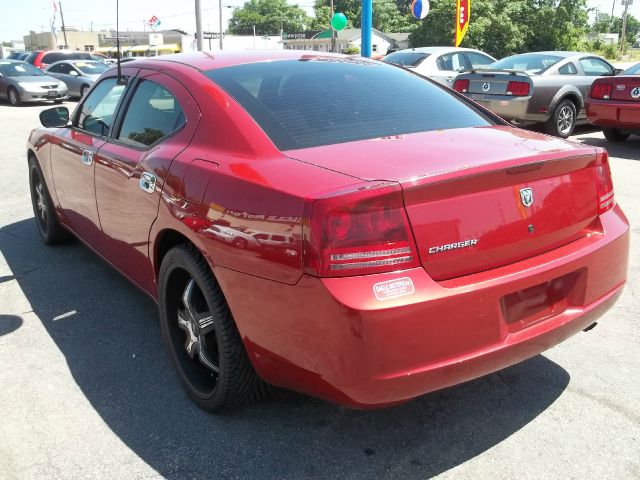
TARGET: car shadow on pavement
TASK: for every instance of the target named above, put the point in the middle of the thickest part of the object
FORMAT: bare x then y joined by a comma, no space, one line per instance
9,323
629,150
110,336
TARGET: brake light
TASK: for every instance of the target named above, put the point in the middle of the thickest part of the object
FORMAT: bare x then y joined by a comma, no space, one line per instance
359,232
518,89
461,86
601,91
606,199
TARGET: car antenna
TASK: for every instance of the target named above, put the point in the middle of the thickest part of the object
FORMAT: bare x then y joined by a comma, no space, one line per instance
121,81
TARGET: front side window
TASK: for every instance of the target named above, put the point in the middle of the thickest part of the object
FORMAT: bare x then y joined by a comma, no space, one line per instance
63,68
594,67
96,114
478,60
322,101
152,114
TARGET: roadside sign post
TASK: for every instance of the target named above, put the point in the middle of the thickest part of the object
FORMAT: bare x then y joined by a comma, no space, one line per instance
365,28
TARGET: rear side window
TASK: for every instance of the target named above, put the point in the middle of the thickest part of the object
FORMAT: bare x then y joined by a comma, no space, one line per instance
452,62
406,59
568,69
53,57
322,101
152,115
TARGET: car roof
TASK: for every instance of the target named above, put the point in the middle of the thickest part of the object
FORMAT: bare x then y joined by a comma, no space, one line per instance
213,60
443,49
11,60
73,61
559,53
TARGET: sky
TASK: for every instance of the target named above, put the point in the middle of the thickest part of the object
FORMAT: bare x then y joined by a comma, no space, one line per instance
17,18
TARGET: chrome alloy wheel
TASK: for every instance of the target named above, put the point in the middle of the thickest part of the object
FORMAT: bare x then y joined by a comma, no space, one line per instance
565,120
194,337
40,207
196,325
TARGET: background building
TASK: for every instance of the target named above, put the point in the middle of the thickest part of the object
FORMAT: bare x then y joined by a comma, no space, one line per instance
350,37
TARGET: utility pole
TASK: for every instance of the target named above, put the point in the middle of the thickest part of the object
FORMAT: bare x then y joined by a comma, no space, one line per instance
626,4
64,30
198,26
221,32
333,31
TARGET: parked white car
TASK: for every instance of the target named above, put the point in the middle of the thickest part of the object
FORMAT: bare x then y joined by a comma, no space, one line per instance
441,64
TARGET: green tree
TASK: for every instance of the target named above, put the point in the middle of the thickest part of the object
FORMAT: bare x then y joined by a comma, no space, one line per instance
268,16
386,15
504,28
605,23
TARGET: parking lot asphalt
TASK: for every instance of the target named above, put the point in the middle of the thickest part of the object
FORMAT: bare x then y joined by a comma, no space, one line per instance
87,391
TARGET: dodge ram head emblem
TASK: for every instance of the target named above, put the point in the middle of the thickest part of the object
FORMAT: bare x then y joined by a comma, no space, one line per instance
486,87
526,195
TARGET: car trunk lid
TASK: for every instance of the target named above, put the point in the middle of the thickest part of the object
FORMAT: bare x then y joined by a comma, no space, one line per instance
478,198
493,82
626,89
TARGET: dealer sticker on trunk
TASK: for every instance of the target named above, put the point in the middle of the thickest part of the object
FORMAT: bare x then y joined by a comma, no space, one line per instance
393,288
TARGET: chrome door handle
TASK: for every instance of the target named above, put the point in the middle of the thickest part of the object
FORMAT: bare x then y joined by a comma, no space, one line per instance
87,157
148,182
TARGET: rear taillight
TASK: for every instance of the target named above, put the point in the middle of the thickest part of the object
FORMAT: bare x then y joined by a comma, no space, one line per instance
601,91
518,89
461,86
357,233
606,199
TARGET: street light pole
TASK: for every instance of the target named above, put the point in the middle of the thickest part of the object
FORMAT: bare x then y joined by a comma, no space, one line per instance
198,26
624,23
333,31
220,6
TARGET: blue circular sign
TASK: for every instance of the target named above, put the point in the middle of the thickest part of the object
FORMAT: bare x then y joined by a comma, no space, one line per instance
420,8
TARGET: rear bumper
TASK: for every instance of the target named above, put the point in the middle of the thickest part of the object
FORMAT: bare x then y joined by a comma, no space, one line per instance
623,115
509,107
336,339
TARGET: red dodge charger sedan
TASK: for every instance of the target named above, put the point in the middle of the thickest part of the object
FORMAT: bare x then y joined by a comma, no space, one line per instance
329,224
614,104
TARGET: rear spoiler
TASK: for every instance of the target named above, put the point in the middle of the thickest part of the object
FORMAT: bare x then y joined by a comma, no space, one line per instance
490,70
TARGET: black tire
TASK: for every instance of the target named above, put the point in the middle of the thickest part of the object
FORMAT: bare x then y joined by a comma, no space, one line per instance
563,120
83,91
49,227
614,134
185,286
14,97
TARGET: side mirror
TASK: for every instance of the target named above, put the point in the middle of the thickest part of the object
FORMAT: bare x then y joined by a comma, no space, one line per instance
73,73
55,117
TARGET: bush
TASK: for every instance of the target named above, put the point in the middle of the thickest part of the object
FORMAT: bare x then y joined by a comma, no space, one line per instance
351,50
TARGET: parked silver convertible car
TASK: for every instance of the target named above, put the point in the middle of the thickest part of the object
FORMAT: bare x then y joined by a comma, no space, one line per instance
543,87
22,82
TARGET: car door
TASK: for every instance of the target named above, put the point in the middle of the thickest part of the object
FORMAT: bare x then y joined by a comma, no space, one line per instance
449,66
157,123
73,152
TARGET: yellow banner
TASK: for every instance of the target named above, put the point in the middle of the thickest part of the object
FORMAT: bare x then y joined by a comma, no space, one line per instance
463,14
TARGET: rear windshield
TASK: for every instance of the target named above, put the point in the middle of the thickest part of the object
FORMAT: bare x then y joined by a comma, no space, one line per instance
529,63
635,70
322,101
19,69
406,59
52,57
